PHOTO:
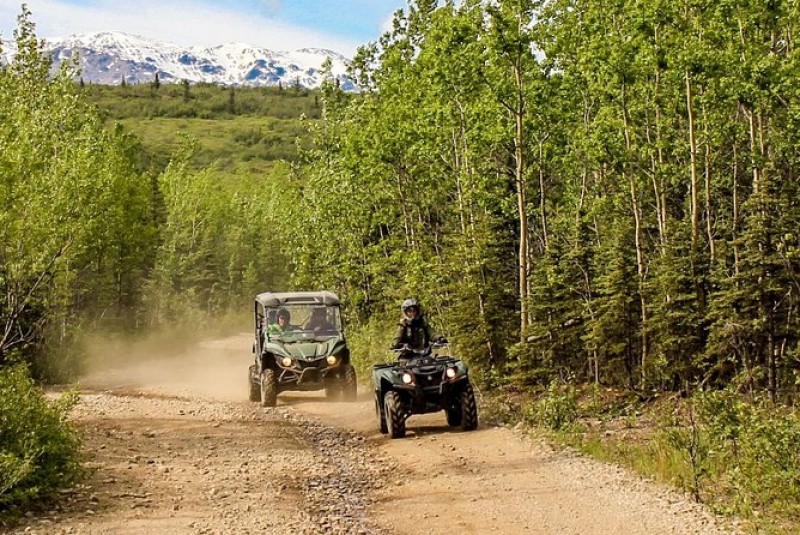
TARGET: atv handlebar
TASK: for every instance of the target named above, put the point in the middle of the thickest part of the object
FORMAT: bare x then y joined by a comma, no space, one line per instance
410,352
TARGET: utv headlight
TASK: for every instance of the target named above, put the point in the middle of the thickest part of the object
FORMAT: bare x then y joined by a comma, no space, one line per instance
450,373
286,362
331,360
407,378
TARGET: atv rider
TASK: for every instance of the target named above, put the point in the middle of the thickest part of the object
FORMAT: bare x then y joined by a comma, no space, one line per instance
282,327
413,331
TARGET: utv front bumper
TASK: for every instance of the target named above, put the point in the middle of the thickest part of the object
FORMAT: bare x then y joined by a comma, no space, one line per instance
308,375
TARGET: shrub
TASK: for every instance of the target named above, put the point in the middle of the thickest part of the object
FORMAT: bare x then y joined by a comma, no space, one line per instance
39,447
557,408
756,441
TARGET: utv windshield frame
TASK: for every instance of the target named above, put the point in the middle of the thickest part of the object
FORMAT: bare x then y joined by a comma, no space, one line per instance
299,305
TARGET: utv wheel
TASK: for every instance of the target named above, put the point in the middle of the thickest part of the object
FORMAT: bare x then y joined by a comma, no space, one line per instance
269,388
454,414
381,415
349,383
395,417
469,409
255,388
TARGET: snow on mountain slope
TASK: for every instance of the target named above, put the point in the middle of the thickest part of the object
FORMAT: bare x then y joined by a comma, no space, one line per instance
110,57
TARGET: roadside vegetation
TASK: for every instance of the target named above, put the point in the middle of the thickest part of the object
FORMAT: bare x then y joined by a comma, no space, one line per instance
39,447
597,204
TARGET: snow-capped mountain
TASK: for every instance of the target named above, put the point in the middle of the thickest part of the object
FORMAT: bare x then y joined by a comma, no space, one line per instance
110,57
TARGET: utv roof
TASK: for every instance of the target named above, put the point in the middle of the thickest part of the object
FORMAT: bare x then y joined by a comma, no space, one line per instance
270,299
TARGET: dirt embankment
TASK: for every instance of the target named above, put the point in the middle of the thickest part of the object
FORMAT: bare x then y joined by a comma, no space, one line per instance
176,449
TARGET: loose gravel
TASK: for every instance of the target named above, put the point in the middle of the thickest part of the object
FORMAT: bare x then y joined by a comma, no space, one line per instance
173,448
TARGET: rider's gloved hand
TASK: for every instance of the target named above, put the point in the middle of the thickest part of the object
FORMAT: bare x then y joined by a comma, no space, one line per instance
441,339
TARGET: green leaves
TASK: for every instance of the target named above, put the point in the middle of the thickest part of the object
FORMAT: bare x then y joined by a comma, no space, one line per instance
76,216
39,449
596,165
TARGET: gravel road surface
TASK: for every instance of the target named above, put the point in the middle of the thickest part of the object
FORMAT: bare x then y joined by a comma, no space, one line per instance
175,448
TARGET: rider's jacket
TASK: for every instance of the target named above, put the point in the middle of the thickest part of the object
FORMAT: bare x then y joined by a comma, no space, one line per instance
414,332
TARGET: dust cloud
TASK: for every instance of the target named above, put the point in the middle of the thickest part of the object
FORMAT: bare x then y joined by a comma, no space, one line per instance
173,363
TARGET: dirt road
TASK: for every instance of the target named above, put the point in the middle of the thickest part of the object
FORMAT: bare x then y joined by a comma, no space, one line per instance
176,449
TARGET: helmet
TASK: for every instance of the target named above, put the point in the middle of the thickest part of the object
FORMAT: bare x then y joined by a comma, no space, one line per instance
410,303
283,313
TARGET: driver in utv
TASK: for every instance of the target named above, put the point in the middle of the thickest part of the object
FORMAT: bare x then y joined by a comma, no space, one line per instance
413,331
318,322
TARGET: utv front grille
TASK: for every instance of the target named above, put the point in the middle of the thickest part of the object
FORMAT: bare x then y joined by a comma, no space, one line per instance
311,364
309,375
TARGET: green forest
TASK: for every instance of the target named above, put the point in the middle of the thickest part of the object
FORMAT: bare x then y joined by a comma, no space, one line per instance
603,191
587,197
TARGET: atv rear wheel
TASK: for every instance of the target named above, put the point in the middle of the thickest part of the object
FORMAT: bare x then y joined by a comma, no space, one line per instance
469,409
349,383
255,388
381,415
395,415
269,388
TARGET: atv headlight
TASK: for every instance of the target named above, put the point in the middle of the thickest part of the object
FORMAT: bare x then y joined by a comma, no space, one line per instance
286,362
331,360
450,373
407,378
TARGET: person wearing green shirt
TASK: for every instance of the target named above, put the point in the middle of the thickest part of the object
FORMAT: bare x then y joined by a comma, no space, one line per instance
283,327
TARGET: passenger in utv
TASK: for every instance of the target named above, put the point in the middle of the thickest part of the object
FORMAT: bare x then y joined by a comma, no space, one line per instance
318,322
413,331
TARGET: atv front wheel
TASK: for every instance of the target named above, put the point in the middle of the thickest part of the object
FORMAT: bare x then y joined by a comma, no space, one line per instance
255,388
395,415
269,388
469,409
349,383
381,415
454,414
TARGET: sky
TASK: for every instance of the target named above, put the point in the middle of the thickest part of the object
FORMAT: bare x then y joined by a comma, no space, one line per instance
340,25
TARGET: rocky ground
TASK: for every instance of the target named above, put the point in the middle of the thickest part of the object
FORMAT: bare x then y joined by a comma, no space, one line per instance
175,449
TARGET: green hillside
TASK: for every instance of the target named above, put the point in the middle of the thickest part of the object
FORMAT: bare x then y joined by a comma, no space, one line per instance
246,129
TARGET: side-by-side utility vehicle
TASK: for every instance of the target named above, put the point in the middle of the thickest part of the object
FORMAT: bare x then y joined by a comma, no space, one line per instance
299,345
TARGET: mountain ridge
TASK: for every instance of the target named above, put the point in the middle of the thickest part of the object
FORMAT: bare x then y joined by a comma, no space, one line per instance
110,57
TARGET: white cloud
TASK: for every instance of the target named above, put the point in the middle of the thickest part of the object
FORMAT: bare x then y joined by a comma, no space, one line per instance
177,21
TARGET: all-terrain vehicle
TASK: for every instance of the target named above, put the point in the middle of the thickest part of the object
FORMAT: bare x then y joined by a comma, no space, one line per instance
420,382
299,345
